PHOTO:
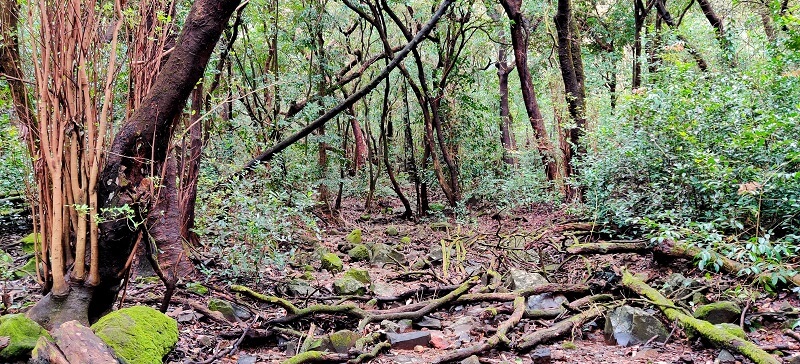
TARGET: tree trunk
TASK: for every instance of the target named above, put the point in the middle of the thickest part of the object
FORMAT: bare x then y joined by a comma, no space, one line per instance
503,70
639,16
137,155
719,31
519,41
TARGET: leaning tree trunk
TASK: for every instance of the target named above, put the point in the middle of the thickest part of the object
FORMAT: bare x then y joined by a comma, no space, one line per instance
136,159
519,41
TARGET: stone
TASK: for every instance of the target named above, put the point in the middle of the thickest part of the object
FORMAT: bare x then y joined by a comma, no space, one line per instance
332,263
347,286
436,255
205,340
521,279
471,360
733,329
223,307
405,325
628,326
354,237
22,334
340,342
392,230
725,357
546,301
196,288
390,326
541,356
438,340
382,289
360,252
462,328
139,334
794,359
360,275
719,312
299,287
441,226
408,340
384,254
246,359
429,323
79,344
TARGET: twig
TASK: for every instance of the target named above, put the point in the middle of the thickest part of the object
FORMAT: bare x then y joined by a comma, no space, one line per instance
233,347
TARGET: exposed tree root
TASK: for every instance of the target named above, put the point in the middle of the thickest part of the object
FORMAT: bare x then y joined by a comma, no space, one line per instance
584,301
606,248
496,339
706,329
317,357
558,329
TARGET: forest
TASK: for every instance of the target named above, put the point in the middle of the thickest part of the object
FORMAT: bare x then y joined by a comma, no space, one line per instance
383,181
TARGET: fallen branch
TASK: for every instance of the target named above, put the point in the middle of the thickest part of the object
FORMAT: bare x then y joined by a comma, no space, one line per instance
579,303
492,342
316,357
717,336
372,354
606,248
294,313
559,329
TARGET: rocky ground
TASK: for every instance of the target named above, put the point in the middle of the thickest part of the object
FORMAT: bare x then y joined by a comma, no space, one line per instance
380,266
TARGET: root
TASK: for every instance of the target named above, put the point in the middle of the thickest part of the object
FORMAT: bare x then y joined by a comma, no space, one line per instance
606,248
316,357
559,329
704,328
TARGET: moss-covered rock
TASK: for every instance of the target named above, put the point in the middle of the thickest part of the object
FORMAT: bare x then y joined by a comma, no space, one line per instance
441,226
719,312
405,240
354,237
29,241
359,252
332,263
733,329
349,286
340,341
360,275
197,288
139,335
22,333
27,270
392,230
223,307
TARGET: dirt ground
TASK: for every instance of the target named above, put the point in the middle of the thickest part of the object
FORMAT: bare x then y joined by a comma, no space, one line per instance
522,239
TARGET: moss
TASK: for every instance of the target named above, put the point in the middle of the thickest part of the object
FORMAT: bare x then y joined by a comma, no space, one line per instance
306,357
392,230
332,263
197,288
223,307
139,335
349,286
719,312
359,252
341,341
733,329
23,334
29,241
360,275
569,345
354,237
405,240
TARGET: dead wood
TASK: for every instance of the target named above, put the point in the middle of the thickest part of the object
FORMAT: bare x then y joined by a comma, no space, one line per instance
714,334
317,357
578,304
558,329
495,340
606,248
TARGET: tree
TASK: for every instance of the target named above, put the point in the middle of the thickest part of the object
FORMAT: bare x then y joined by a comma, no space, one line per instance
94,204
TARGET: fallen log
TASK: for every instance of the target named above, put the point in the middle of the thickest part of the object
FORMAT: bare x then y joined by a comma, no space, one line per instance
606,248
706,329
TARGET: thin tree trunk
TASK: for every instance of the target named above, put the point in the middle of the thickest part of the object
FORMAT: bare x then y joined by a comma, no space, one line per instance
519,41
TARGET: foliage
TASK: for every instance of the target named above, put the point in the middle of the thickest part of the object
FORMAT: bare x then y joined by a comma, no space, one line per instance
14,160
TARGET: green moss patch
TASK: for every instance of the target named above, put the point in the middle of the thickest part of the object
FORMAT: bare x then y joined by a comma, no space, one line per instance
359,252
354,237
23,334
332,263
29,241
139,335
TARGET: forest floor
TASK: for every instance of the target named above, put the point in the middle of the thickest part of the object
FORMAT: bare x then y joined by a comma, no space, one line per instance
439,252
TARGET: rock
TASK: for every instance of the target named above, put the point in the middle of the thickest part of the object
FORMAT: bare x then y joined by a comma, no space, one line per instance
794,359
436,255
383,254
405,325
360,275
299,287
462,328
332,263
354,282
521,279
441,226
471,360
629,326
4,341
28,242
22,334
438,340
246,359
733,329
382,289
354,237
430,323
405,240
77,344
27,270
409,340
223,307
541,355
719,312
340,342
725,357
391,230
196,288
390,326
139,334
205,340
546,301
358,253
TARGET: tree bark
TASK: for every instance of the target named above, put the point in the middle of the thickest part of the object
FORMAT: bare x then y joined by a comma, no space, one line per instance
519,41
